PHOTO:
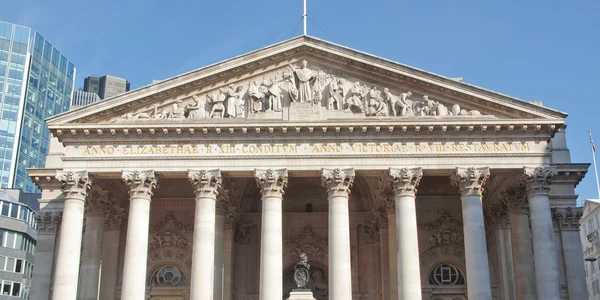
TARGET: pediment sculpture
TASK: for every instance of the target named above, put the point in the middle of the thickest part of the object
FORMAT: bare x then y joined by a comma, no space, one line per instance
315,86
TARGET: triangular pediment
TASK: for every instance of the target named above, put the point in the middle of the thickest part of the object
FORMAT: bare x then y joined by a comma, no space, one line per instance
272,84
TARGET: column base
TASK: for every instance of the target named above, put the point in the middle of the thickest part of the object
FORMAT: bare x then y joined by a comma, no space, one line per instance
301,294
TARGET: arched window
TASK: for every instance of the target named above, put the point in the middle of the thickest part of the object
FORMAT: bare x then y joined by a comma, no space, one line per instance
168,276
446,274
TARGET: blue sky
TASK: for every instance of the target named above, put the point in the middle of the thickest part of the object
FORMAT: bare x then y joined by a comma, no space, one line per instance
534,50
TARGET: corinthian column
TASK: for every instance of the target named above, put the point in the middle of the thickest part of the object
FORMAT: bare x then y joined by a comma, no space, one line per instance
545,257
470,181
140,184
271,183
75,186
92,245
206,184
405,182
520,236
338,183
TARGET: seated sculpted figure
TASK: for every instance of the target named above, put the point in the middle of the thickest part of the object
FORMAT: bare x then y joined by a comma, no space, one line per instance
217,100
355,102
405,104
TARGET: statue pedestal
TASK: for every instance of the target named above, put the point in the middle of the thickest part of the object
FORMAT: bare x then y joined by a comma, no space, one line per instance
301,294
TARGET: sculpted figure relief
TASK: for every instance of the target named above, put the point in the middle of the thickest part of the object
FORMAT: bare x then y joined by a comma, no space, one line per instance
176,111
234,102
336,94
355,102
257,95
375,104
218,108
195,110
305,78
273,95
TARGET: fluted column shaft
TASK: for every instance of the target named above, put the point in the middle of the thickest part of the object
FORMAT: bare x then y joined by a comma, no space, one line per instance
338,183
272,184
520,236
545,256
470,182
206,184
405,182
141,184
75,186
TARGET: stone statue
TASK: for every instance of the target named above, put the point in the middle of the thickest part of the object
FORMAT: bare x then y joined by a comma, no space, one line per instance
273,95
305,77
195,110
130,116
301,273
390,101
218,108
176,111
355,102
233,97
375,104
405,104
256,97
336,94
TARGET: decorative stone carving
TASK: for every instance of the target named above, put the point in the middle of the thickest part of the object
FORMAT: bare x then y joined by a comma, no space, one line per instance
371,231
337,181
167,239
217,98
196,109
96,202
222,204
140,183
257,95
48,222
75,184
273,95
176,112
376,106
355,102
170,219
515,197
385,206
445,218
236,107
206,183
114,215
301,271
538,180
305,78
406,108
495,216
406,180
336,94
471,180
445,237
242,233
567,218
271,182
308,242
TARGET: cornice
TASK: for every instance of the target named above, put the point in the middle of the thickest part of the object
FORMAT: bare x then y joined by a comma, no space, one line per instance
304,45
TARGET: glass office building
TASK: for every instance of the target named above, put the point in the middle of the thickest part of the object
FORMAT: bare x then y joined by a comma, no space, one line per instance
36,82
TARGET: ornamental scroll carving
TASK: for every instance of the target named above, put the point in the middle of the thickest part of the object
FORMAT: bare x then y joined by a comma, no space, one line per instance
307,242
444,231
140,183
48,221
567,218
337,181
302,82
242,233
75,184
271,182
97,201
538,180
206,183
515,197
470,181
406,180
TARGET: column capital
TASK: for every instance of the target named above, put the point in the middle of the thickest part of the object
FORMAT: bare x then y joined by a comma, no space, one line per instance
337,181
140,183
567,218
206,183
470,181
96,202
515,197
406,180
75,184
538,180
271,182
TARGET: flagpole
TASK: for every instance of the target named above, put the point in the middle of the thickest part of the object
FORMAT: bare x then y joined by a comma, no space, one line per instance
304,17
595,167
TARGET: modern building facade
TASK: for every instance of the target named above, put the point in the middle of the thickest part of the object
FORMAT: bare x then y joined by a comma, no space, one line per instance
590,240
18,234
36,82
395,182
83,98
106,86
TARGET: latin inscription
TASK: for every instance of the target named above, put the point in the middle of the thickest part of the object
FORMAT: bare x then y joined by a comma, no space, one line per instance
307,148
304,111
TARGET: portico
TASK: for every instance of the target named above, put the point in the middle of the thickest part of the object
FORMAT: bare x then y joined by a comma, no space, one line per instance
391,195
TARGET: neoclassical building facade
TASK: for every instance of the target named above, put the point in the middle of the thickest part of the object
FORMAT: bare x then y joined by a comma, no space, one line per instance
395,182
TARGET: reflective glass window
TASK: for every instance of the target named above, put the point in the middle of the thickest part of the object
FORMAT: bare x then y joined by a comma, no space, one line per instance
5,30
10,264
16,290
6,288
18,266
71,70
47,50
5,208
14,210
2,262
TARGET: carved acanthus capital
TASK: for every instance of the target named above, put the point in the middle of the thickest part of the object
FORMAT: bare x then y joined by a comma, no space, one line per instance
206,183
222,203
114,215
48,222
140,183
471,180
75,184
96,202
496,217
271,182
567,218
337,181
384,207
538,180
406,180
515,197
